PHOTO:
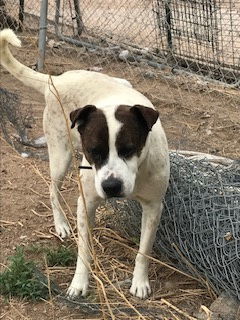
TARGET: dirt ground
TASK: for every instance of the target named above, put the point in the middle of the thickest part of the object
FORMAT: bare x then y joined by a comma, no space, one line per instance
196,116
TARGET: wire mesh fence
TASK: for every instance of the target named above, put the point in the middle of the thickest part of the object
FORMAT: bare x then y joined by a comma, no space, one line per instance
201,35
199,227
197,35
171,51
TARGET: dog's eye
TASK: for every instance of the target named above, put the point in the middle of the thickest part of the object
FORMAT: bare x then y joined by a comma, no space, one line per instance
127,151
95,153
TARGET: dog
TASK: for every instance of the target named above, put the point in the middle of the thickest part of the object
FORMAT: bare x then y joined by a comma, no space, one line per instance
122,140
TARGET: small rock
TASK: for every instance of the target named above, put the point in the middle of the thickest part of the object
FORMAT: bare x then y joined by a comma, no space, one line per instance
144,50
123,55
95,69
64,308
54,44
149,75
205,115
208,132
223,308
24,155
40,140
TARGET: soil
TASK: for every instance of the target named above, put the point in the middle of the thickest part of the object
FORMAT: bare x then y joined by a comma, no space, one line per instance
196,115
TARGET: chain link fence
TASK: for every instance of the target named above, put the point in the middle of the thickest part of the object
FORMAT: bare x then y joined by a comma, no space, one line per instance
179,53
197,35
199,227
201,35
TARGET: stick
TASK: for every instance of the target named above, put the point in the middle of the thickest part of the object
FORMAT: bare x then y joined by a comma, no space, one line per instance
177,309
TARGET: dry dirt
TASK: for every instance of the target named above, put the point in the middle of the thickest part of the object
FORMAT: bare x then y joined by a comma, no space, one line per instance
196,116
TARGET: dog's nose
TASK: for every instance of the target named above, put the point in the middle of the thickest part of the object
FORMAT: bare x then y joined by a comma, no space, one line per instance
112,187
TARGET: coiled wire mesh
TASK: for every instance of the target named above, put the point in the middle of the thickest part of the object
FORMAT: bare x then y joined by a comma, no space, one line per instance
200,225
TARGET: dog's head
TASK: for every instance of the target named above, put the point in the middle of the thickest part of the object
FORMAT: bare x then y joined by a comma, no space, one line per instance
113,141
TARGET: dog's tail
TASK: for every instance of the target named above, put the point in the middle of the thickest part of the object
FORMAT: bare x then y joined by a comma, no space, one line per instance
29,77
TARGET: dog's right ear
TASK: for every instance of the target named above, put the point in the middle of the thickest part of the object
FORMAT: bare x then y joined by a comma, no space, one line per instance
81,115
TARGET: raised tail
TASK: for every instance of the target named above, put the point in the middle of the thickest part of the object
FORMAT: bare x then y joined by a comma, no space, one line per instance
29,77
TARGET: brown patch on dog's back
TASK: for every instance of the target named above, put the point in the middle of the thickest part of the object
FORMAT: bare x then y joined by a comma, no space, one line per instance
133,134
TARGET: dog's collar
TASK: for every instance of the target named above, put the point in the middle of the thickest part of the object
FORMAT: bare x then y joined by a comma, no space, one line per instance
84,167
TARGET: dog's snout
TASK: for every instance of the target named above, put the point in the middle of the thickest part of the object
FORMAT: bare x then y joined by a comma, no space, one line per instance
112,187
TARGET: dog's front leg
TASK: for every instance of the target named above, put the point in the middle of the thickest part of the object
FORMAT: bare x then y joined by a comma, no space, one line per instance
150,220
85,222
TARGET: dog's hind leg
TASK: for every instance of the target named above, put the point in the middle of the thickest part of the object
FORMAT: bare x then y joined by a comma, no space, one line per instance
60,158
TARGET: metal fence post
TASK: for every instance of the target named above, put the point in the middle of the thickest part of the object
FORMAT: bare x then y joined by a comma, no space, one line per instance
168,24
42,34
80,25
21,14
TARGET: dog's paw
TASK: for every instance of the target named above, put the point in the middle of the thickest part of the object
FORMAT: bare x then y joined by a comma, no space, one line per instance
140,288
62,228
79,286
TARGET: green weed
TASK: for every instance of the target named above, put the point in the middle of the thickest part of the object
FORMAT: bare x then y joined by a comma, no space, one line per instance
61,256
23,279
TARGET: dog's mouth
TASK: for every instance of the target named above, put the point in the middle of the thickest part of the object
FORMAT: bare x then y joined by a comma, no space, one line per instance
121,196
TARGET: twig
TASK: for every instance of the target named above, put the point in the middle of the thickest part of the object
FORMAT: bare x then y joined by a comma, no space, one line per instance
173,315
40,215
177,309
207,312
42,235
205,281
38,172
3,315
10,223
152,258
105,297
37,193
121,294
46,206
48,279
55,235
18,312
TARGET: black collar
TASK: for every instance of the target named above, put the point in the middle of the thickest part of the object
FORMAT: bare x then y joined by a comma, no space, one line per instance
85,167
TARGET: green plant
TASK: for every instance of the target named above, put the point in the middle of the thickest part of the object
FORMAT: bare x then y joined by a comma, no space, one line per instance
34,248
61,256
23,279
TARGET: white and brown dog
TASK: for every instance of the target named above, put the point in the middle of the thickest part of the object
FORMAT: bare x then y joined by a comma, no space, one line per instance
122,139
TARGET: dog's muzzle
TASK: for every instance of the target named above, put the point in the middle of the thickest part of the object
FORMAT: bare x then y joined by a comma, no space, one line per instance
112,187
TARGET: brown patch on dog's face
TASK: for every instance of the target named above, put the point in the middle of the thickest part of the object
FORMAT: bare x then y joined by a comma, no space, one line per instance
92,126
137,122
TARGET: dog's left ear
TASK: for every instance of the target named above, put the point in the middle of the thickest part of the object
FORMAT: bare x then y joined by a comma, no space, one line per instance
81,115
146,115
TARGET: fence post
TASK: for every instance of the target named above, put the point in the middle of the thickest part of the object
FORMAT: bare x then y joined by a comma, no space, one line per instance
80,25
168,25
21,14
42,34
